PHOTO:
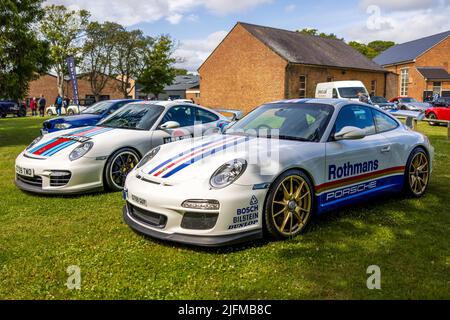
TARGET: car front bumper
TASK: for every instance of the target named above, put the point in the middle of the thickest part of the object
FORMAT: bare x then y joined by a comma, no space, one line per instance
238,219
189,239
86,175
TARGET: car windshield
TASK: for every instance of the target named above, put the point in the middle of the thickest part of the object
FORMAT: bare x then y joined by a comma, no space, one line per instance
351,92
285,121
407,100
378,100
135,116
98,108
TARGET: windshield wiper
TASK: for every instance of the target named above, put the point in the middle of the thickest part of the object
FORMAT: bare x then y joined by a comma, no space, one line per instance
281,137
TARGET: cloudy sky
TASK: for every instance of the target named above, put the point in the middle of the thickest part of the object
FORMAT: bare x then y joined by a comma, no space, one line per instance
199,25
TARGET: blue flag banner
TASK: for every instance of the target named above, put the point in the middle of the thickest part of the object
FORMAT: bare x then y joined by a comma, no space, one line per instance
73,78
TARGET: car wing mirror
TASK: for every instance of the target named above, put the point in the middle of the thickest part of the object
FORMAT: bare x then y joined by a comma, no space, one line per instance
350,133
169,125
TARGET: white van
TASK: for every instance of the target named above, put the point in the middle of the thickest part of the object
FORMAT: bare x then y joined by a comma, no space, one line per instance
340,90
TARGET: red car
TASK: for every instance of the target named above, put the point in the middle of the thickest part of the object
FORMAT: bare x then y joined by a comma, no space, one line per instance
439,111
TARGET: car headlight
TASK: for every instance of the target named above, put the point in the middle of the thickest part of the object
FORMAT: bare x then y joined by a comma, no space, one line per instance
35,141
149,156
228,173
81,150
63,126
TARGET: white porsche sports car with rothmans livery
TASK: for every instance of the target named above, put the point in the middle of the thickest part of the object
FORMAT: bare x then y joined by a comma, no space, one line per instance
272,171
92,158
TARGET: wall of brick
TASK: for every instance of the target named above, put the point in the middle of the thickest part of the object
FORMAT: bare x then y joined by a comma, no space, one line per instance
438,56
46,85
84,89
242,73
315,75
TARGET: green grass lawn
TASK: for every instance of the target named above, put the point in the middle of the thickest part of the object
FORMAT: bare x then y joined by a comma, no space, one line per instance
41,236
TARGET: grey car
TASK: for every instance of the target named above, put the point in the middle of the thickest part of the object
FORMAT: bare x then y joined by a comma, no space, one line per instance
411,104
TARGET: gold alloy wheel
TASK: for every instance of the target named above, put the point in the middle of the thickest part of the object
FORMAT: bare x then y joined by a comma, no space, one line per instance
291,205
419,173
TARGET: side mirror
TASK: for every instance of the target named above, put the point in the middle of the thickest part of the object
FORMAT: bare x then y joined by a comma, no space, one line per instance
169,125
350,133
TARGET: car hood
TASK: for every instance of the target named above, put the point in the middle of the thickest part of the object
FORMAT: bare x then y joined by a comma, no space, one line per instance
418,105
197,159
81,118
60,144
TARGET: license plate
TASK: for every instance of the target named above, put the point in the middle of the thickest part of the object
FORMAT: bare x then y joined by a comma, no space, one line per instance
139,200
25,171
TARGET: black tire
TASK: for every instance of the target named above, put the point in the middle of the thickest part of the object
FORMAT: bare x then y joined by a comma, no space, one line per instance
70,113
3,115
49,112
417,171
432,116
278,215
118,166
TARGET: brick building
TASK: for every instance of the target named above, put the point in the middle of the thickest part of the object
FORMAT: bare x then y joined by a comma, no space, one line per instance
46,84
421,67
256,64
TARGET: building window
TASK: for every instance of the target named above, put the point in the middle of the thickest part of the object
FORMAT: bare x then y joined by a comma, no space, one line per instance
197,94
302,91
404,80
329,79
373,87
437,86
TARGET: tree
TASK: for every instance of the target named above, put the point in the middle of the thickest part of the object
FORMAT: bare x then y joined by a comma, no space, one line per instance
22,55
370,50
159,71
315,32
129,57
98,51
379,46
181,72
63,29
364,49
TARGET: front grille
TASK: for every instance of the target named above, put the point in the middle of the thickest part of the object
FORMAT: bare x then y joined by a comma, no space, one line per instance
33,181
199,221
148,217
59,178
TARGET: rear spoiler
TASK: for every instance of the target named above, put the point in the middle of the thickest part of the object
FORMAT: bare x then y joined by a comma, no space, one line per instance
236,114
410,116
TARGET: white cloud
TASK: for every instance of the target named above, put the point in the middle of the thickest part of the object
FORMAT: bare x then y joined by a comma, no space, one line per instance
400,26
131,12
401,5
290,8
194,52
175,18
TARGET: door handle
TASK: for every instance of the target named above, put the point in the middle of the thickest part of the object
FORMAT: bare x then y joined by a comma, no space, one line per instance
386,149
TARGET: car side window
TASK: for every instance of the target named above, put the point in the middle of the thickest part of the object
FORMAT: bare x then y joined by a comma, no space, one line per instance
204,116
184,115
355,116
383,122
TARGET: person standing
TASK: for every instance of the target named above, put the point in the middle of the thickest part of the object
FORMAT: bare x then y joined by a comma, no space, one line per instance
33,107
58,104
66,103
41,103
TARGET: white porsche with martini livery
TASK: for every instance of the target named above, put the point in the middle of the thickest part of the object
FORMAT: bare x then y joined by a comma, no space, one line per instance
272,171
98,157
